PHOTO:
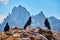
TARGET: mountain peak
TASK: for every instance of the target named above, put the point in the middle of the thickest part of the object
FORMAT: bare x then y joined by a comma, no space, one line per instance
20,10
41,13
20,6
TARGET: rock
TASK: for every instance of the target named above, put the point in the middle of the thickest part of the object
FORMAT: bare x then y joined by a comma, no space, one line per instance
28,29
4,36
13,38
16,35
56,35
29,34
26,39
34,38
0,36
45,32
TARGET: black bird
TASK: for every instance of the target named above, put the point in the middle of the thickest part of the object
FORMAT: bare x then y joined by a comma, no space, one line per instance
47,24
28,22
7,27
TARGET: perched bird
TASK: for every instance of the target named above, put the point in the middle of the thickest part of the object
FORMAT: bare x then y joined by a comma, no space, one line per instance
7,27
47,24
27,23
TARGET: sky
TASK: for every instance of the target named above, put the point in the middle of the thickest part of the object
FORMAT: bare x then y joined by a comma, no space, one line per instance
49,7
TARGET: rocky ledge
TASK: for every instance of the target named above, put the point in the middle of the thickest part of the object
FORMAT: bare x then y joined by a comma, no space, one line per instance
29,34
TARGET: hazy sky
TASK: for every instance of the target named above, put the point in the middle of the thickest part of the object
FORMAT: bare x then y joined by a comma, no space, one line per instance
49,7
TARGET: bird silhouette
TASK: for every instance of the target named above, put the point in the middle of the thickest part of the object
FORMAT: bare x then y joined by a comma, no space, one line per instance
7,27
28,22
47,24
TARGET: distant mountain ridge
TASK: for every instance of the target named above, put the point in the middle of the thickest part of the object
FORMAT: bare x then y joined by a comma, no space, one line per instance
54,23
20,15
38,20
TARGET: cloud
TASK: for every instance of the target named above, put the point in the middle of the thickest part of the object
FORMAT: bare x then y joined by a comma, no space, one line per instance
4,1
2,18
